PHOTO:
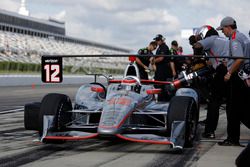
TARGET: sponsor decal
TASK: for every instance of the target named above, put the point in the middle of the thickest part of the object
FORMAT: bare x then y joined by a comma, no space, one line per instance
122,101
235,45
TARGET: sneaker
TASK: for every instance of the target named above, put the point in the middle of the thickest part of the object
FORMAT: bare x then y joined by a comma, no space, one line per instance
209,135
228,142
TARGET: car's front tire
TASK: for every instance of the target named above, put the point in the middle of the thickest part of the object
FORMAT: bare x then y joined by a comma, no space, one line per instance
56,105
184,108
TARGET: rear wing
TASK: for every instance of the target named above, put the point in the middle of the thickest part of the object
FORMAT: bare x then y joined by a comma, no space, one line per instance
52,65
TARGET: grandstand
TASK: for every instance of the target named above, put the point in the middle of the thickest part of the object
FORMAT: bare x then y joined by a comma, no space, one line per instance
26,39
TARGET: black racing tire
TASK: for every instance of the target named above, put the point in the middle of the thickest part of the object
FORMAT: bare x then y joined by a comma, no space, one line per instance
31,116
56,105
184,108
243,158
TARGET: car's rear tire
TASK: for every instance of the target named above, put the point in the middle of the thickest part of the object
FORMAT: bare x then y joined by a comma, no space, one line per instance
31,116
56,105
184,108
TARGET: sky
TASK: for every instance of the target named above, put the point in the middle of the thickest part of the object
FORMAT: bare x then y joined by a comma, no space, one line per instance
132,24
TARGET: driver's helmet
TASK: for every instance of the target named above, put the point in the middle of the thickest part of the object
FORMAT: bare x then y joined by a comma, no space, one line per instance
203,31
244,74
131,83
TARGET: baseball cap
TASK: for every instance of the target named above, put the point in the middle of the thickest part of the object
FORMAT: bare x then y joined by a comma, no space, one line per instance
227,21
159,37
174,43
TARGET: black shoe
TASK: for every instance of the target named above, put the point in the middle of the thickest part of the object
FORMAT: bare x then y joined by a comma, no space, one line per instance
228,142
203,122
209,135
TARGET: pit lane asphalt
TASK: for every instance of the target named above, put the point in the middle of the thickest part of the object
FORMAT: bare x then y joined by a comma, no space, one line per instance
20,147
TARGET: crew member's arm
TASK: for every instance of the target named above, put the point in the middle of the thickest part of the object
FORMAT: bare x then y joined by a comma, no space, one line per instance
158,59
164,51
205,44
236,51
235,67
138,61
172,66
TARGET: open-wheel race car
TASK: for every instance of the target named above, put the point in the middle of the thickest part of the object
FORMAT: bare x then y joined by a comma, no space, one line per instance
127,108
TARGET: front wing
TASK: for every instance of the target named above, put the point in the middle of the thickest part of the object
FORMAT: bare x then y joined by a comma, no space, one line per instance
176,140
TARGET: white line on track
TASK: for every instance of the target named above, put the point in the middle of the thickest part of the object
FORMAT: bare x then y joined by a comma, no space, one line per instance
11,111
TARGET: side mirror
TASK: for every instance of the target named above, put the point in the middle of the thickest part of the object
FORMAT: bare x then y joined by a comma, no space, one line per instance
153,91
97,89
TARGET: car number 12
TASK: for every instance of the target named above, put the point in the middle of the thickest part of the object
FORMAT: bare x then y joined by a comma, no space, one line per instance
51,69
52,72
